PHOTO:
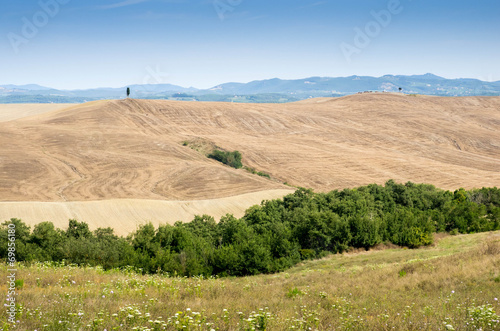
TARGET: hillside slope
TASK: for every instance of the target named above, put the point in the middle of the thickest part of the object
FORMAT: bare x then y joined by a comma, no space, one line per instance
14,111
133,149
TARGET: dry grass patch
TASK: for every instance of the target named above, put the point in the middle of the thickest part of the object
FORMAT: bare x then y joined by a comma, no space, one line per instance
453,285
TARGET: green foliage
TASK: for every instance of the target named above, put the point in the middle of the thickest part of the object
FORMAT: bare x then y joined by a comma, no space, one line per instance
418,237
78,230
232,159
187,320
307,254
270,237
19,283
263,174
182,95
259,173
49,241
483,317
256,321
22,249
294,292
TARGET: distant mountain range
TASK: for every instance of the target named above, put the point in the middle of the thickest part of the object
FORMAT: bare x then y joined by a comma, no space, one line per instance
270,90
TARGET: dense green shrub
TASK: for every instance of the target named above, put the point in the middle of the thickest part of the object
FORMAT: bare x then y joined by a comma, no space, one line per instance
232,159
272,236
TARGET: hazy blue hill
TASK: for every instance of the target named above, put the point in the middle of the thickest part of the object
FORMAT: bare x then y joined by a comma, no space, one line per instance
269,90
427,77
28,87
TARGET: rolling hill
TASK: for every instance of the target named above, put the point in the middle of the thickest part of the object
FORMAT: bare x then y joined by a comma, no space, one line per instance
150,149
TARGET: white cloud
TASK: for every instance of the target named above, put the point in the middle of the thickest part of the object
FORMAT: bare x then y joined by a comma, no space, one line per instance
319,3
122,4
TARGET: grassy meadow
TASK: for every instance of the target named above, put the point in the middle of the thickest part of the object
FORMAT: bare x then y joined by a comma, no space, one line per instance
452,285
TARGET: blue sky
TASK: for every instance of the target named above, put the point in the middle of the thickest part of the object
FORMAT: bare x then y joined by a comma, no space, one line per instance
70,44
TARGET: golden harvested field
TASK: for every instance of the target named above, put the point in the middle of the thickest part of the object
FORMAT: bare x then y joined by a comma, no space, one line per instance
133,149
125,215
13,111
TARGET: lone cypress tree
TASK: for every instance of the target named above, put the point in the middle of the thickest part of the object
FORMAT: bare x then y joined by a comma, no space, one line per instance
128,91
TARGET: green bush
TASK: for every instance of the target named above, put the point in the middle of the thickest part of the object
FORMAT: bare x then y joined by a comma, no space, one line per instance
263,174
232,159
255,172
307,254
417,237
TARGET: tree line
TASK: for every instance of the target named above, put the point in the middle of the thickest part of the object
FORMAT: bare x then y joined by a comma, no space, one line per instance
272,236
